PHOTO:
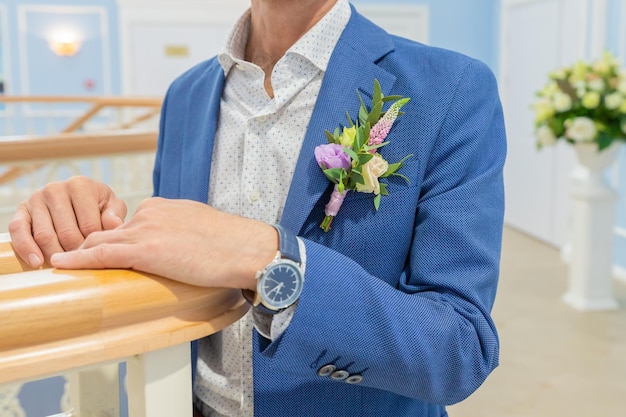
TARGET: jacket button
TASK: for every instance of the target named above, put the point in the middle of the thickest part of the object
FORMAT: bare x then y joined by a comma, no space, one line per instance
354,379
339,375
326,370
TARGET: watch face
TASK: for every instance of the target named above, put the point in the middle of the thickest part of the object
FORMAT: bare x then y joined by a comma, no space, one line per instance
281,284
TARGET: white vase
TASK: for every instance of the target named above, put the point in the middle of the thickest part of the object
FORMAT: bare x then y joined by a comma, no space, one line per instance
594,160
592,222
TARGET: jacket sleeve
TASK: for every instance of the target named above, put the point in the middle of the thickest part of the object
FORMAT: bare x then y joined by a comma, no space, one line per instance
412,316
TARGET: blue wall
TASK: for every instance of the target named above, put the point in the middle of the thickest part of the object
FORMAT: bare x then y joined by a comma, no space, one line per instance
37,69
30,67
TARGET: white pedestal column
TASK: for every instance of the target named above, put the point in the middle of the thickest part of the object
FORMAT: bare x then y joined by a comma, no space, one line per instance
593,218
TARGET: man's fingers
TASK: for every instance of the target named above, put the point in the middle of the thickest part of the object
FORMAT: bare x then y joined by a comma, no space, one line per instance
100,210
55,225
22,239
97,257
113,213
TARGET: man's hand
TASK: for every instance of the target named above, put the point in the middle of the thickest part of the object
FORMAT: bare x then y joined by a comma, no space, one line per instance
60,216
183,240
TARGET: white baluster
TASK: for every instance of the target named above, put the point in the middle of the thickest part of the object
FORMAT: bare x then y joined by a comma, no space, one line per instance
159,383
9,402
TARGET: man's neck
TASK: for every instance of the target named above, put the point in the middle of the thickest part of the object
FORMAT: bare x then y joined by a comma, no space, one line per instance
276,25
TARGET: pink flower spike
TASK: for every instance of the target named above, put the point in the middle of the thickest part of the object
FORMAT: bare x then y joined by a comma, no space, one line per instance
381,129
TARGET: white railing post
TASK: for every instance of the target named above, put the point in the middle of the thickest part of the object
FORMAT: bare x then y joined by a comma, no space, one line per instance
95,392
158,383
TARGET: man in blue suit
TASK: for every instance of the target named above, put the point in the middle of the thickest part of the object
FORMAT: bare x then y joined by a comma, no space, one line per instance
385,314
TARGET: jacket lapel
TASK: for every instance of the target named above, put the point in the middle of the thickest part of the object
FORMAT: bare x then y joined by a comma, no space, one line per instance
351,68
200,133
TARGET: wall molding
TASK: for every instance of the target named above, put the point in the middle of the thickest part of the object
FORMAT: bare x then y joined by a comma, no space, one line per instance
6,46
22,25
6,56
597,38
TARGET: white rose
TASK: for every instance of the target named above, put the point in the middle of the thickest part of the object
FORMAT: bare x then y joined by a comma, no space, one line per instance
545,136
602,67
373,169
597,84
613,101
580,129
562,102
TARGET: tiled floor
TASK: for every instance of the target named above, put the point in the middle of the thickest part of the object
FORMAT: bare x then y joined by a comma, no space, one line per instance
554,361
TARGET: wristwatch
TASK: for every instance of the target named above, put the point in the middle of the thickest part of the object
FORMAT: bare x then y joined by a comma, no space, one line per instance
279,285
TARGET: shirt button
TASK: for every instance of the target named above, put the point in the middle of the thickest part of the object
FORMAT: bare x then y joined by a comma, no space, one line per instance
254,195
339,375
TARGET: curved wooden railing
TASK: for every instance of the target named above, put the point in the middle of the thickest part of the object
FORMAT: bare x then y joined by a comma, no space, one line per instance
70,142
75,145
54,320
97,104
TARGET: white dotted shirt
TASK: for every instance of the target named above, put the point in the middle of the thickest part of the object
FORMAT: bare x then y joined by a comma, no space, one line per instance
257,145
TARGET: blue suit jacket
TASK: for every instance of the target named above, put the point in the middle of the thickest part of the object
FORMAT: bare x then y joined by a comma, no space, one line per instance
401,296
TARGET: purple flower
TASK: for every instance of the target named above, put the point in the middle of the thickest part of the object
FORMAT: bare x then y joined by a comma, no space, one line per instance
332,155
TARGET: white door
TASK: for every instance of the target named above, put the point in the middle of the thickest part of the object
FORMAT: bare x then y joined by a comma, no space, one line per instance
538,36
160,52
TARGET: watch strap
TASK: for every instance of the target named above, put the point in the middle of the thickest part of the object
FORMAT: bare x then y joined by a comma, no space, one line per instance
289,248
254,300
288,244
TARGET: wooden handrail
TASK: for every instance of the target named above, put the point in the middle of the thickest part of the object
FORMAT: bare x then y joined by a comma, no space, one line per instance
38,148
105,101
55,320
73,145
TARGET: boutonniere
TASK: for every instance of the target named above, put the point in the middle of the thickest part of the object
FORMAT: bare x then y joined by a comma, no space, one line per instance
351,160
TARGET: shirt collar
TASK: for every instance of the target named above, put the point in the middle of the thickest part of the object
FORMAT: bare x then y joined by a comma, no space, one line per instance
316,45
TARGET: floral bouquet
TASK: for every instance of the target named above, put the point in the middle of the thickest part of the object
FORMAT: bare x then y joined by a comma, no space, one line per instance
350,159
585,103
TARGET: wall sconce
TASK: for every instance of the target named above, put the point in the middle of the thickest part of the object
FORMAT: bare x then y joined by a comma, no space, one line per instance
64,43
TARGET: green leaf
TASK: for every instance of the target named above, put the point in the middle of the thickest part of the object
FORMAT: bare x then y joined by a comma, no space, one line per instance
375,114
363,115
334,174
364,158
359,139
380,145
392,98
377,95
383,188
366,134
362,110
350,122
329,137
353,155
604,141
403,101
377,202
357,177
394,167
395,174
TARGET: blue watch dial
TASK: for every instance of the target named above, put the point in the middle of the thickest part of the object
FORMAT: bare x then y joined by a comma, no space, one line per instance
281,284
